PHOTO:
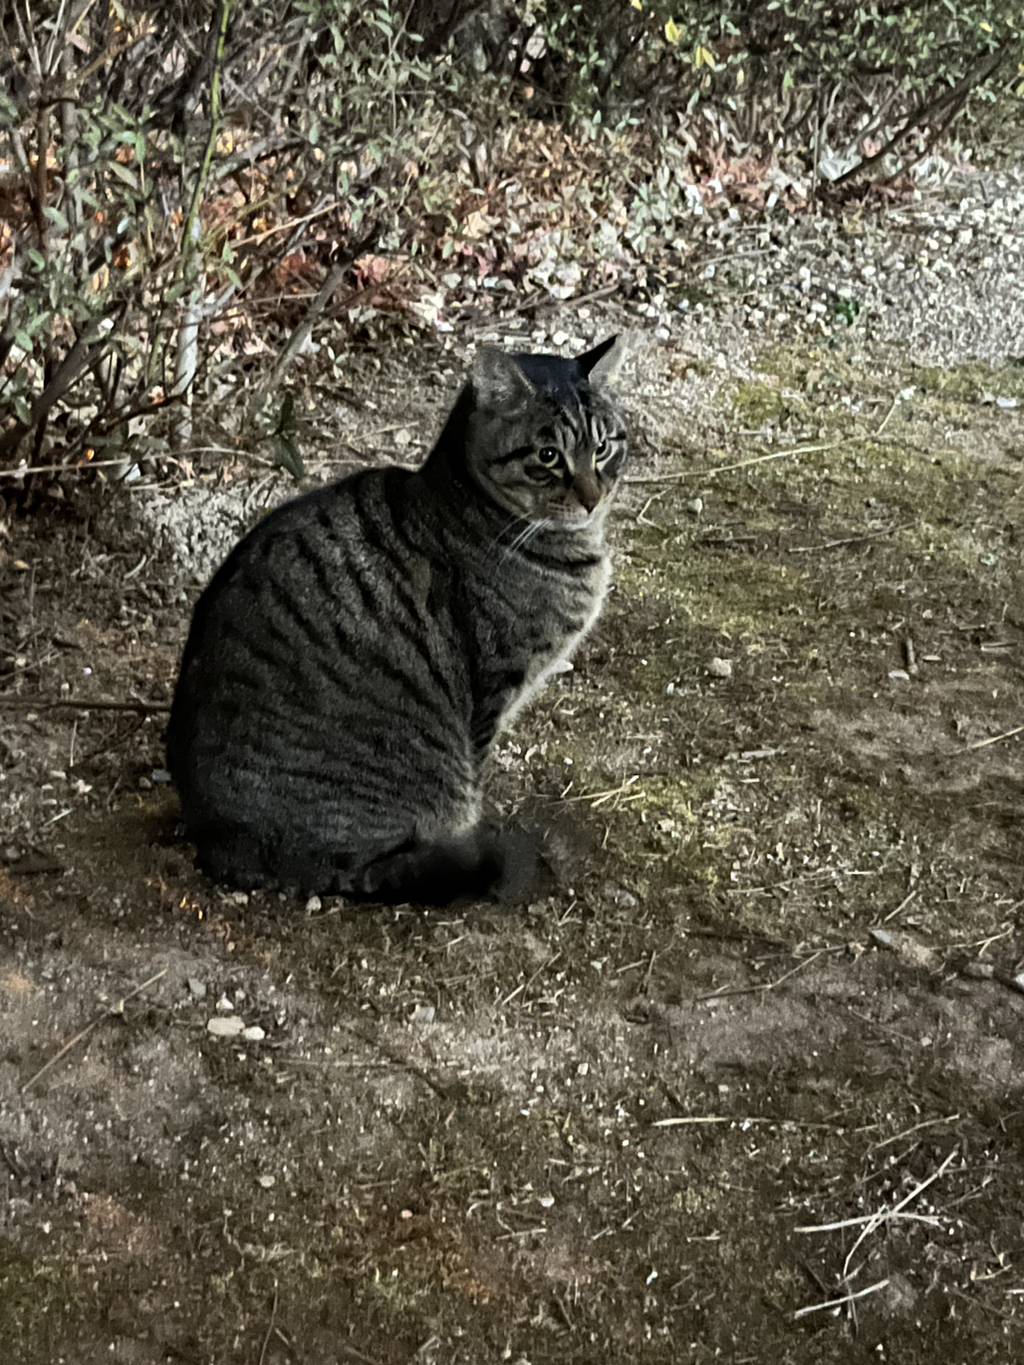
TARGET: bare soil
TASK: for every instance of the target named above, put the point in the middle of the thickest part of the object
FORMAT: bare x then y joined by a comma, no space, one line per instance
648,1119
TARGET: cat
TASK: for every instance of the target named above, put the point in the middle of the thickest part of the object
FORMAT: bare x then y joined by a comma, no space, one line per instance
350,663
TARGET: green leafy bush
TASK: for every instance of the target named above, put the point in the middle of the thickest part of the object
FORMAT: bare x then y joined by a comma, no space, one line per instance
181,185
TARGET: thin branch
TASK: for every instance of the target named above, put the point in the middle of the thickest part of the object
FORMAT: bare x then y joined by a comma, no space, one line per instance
977,75
189,236
933,1219
270,1328
740,464
86,351
993,739
82,1034
838,1303
852,540
145,708
886,1214
301,334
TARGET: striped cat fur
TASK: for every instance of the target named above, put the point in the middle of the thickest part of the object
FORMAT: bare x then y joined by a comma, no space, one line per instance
349,665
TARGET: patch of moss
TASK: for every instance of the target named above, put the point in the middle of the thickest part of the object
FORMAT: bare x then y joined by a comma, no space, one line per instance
757,404
969,383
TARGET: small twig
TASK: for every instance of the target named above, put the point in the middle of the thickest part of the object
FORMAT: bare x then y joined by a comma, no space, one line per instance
764,986
258,238
82,1034
902,906
443,1089
688,1120
896,1137
598,798
353,1354
993,739
148,708
304,329
79,468
851,540
838,1303
932,1218
270,1328
886,1214
525,985
740,464
889,412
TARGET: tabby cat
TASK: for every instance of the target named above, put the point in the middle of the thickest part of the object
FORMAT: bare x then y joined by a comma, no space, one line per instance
349,665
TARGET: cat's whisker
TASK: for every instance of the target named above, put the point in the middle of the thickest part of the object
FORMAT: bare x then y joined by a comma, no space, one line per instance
515,525
524,537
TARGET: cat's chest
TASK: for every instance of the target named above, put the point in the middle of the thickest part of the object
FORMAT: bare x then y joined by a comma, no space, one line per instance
557,614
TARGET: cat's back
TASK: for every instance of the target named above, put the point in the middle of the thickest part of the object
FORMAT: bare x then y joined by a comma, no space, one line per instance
309,590
360,514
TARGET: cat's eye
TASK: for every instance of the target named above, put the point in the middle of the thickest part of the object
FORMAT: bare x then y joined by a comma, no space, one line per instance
549,456
601,452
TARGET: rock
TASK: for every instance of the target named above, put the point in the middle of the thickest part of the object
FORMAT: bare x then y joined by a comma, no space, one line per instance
313,905
254,1034
980,971
197,988
720,668
225,1026
908,946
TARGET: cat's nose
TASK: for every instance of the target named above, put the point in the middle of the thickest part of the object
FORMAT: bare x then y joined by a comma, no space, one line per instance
587,489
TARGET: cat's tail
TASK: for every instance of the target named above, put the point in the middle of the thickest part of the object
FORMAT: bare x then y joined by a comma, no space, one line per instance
486,864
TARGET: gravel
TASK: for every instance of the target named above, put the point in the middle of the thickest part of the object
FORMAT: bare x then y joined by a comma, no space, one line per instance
939,272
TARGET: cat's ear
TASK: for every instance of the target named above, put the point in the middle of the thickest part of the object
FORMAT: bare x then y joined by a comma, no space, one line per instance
603,363
498,381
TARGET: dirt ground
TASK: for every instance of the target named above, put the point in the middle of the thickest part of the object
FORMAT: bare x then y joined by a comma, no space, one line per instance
763,1049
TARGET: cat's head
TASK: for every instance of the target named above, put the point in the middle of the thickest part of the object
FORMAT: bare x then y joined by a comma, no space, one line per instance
545,438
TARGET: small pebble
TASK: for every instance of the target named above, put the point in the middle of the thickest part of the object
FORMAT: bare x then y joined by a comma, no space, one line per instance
623,898
720,668
899,675
254,1034
313,905
225,1026
197,988
981,971
423,1014
695,506
266,1182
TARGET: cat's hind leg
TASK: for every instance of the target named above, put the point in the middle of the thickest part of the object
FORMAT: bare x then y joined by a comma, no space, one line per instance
233,856
484,864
